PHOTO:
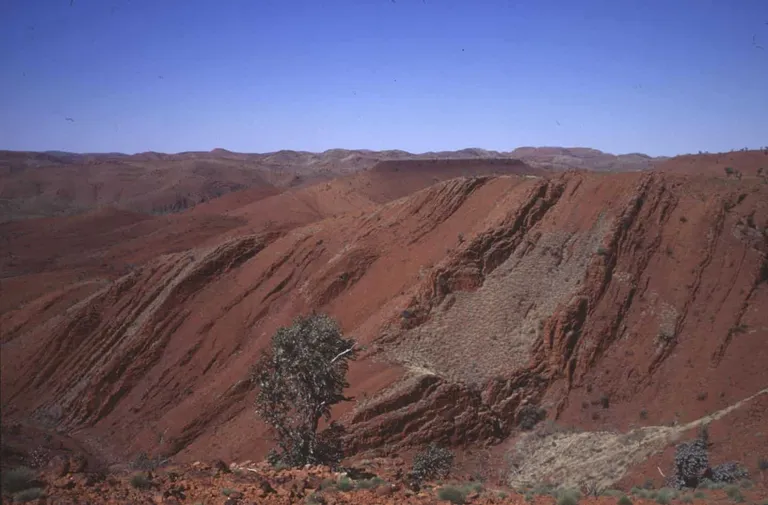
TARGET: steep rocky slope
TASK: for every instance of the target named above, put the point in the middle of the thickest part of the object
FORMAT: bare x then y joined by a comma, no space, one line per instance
609,301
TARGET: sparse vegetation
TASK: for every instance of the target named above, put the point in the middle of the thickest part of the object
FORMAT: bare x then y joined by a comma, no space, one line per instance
729,472
686,498
699,495
544,490
644,414
473,487
140,481
33,493
452,494
734,493
18,479
369,483
345,484
327,484
145,462
567,497
665,495
299,380
529,416
691,461
432,463
624,500
710,484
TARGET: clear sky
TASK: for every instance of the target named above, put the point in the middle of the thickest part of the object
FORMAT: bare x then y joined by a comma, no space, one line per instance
656,76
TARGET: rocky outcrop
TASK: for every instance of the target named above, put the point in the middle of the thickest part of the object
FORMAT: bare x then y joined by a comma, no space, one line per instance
476,300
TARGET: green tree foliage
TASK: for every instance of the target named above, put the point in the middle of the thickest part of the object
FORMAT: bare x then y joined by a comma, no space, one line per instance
299,379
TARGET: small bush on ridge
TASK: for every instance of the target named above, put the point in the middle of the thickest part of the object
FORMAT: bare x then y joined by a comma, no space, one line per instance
452,494
432,463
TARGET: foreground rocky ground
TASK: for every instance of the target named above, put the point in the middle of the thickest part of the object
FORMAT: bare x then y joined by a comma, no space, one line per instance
66,481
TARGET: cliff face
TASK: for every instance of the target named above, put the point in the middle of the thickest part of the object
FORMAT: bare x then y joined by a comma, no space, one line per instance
592,297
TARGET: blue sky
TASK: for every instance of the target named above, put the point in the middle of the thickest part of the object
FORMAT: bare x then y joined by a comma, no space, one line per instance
654,76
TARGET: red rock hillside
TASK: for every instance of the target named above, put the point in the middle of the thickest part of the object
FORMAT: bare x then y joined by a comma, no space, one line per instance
612,302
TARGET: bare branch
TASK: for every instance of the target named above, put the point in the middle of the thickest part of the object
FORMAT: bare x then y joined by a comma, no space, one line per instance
344,352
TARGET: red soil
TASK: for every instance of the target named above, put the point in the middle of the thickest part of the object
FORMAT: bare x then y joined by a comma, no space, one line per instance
645,288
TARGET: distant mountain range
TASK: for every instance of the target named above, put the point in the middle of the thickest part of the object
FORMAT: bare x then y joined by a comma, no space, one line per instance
152,182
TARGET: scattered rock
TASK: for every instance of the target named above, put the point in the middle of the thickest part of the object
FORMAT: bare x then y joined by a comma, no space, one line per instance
220,467
64,483
77,463
58,466
265,488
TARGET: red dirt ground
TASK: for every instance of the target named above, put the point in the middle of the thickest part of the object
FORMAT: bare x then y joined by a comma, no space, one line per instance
473,296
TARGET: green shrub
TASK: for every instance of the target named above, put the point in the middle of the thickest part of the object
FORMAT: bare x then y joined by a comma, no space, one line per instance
734,493
345,484
18,479
502,495
746,484
665,495
476,487
635,490
567,497
369,483
699,495
140,481
30,494
432,463
309,361
529,416
452,494
709,484
686,498
624,500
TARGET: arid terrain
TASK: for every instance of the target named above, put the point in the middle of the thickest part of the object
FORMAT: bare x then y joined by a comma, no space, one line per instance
57,183
619,301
